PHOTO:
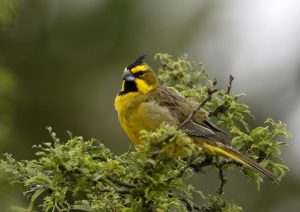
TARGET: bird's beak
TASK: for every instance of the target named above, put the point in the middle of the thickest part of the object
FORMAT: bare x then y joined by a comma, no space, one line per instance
128,76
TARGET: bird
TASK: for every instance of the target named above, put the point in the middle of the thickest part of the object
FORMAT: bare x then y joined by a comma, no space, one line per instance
142,104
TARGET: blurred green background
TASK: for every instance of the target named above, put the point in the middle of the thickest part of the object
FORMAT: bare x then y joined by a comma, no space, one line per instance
61,63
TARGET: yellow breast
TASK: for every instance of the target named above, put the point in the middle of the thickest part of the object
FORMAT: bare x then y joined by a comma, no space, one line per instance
136,113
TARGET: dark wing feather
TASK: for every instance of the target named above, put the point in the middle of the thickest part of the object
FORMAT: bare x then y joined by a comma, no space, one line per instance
212,126
194,129
199,130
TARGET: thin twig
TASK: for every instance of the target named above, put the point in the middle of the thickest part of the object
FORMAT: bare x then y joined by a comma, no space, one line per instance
130,149
165,65
220,166
231,78
223,107
222,179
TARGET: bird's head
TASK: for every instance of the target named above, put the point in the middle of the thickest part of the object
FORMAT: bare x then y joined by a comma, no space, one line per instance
139,77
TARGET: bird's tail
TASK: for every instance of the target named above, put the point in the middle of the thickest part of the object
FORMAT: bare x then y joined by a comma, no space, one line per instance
238,157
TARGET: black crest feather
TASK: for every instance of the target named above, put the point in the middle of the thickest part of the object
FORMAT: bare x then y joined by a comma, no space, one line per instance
138,61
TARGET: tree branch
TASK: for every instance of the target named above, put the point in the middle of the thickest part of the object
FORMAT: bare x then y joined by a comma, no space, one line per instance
222,179
198,166
219,165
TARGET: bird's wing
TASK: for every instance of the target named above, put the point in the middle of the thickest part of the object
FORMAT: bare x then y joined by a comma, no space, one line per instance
181,108
199,130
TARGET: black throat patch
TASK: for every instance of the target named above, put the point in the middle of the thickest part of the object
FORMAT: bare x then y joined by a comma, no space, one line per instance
129,86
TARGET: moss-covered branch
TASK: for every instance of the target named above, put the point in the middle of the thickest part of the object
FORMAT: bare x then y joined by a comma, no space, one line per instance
85,175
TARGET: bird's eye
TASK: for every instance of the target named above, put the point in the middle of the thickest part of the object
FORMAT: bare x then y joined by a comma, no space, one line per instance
140,74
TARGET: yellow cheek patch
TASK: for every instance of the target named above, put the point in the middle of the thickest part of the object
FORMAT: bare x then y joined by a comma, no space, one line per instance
139,68
143,86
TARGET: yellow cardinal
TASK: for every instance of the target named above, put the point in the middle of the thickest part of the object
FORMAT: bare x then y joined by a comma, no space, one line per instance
142,104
